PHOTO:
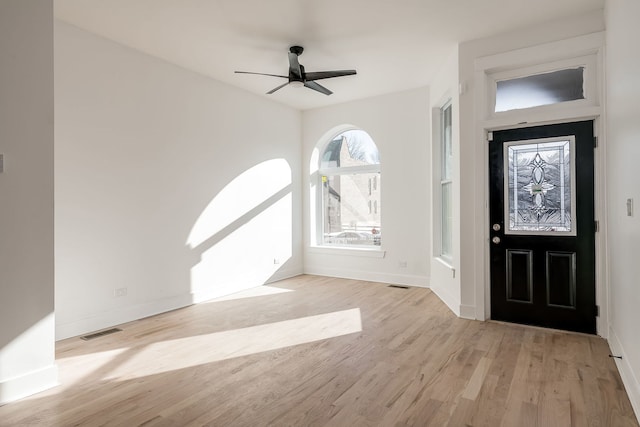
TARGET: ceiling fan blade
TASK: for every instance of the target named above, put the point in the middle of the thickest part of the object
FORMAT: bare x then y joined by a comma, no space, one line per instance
294,65
277,88
318,75
298,76
318,87
261,74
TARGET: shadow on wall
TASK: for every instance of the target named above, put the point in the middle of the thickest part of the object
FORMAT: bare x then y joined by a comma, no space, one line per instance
244,236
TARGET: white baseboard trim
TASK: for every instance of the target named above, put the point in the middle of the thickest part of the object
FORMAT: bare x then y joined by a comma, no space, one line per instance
286,273
468,311
448,298
222,291
121,315
25,385
128,314
629,379
394,279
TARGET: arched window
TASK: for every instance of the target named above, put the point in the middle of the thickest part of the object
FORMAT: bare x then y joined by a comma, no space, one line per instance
349,174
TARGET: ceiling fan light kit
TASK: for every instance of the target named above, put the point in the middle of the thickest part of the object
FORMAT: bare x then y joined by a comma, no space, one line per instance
298,77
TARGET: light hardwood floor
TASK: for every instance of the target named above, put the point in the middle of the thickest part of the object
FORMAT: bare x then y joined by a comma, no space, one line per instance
320,351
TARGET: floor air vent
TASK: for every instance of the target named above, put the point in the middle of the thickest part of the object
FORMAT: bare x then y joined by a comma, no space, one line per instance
399,286
100,334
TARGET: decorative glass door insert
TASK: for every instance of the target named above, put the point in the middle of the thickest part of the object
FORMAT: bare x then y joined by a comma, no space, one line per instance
539,186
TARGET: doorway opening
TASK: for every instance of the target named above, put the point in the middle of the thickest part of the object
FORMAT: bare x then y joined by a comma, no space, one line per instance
542,227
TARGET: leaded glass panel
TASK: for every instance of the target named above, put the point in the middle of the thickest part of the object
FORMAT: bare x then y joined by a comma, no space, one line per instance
538,187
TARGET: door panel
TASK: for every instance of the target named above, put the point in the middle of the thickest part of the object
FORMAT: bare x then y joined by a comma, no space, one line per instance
519,276
542,229
561,279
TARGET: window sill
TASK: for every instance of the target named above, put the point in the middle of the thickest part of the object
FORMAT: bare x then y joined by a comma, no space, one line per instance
348,251
447,262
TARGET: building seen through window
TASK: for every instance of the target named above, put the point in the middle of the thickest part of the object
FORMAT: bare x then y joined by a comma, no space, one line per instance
350,174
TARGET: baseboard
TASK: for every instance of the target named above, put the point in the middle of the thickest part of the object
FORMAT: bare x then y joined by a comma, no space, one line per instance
448,298
394,279
25,385
467,311
139,311
631,383
222,291
122,315
286,273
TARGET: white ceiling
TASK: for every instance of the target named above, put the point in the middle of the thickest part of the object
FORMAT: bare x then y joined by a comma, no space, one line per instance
394,45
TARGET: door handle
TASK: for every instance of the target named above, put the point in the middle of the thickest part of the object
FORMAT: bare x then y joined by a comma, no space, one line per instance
495,240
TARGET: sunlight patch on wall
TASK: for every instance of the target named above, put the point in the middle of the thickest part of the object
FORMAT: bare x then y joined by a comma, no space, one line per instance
314,164
245,258
244,236
239,197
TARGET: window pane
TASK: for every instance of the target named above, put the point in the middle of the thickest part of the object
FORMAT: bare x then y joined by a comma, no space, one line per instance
348,217
350,148
447,221
446,143
539,187
446,160
540,89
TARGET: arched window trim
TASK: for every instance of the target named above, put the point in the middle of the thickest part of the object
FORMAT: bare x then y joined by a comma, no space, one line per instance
343,170
338,171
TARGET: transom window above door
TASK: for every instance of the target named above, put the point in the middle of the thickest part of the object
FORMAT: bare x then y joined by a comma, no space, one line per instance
560,84
540,89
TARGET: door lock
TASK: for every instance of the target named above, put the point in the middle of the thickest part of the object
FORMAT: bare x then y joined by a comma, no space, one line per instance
496,227
496,240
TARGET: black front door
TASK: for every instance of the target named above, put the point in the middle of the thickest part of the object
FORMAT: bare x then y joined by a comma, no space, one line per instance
542,229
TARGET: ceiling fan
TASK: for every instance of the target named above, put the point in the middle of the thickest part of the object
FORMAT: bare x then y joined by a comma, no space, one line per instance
299,77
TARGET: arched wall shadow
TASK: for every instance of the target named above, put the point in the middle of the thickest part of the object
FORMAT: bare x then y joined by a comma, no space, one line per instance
244,235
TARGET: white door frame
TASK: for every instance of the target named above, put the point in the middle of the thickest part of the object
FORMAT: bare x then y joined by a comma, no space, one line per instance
532,60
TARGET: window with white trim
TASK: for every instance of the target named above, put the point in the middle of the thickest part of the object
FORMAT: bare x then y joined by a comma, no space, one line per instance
446,196
349,176
540,89
567,83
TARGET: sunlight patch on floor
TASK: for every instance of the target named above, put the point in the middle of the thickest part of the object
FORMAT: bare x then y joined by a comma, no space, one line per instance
86,365
187,352
181,353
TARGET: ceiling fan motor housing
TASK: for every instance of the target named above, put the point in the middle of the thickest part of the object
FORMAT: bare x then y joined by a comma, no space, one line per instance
296,49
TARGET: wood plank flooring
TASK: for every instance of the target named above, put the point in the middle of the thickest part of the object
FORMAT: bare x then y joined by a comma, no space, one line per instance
329,352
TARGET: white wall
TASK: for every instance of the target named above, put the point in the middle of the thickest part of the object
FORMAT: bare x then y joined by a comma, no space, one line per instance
445,281
26,191
399,125
170,187
623,182
473,222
